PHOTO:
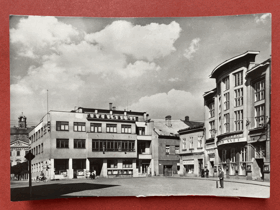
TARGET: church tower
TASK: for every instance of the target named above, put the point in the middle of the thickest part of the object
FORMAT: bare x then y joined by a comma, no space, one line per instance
22,121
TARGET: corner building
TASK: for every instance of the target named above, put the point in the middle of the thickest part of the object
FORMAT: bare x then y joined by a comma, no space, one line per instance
71,144
237,118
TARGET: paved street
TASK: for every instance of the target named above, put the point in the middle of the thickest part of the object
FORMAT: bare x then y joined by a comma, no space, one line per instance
135,187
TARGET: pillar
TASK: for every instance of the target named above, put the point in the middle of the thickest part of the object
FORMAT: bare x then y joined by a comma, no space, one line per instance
104,169
70,169
87,165
52,176
135,172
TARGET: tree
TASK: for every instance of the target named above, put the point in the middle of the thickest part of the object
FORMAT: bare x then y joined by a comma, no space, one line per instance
19,169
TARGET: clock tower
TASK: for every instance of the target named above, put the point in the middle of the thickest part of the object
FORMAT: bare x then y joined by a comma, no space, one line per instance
22,121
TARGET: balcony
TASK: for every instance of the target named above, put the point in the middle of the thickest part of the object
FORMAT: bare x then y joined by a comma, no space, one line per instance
144,138
111,117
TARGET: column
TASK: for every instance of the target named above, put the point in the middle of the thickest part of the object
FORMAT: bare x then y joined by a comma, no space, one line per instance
135,172
104,168
52,176
87,164
70,169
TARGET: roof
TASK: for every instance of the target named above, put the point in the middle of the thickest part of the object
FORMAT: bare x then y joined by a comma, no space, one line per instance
259,66
162,129
247,56
19,134
195,126
86,110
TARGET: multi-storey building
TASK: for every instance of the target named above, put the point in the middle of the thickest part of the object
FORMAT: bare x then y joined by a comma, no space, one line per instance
19,142
70,144
192,148
166,145
237,113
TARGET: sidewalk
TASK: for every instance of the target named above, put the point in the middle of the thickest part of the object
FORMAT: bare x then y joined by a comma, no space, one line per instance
242,181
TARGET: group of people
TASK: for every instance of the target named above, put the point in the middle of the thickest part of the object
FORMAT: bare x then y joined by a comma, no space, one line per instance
92,175
42,177
205,173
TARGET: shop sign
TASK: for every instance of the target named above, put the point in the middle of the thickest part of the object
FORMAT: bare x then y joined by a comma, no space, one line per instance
188,162
231,140
266,168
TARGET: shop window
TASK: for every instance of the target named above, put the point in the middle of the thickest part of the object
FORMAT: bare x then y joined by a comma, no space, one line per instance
111,128
238,120
260,115
224,156
79,143
259,90
232,155
238,97
126,128
62,143
238,78
260,151
244,154
127,164
62,126
112,164
79,126
226,97
189,169
95,127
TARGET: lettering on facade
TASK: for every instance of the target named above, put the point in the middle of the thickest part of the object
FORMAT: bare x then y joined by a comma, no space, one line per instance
232,139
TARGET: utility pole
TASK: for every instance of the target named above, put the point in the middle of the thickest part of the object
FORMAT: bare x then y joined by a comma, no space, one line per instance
29,156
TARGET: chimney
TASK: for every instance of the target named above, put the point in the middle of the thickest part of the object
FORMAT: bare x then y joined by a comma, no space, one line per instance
114,108
187,118
168,121
110,106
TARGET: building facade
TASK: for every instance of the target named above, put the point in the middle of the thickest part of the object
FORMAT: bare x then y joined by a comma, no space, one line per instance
237,114
114,143
192,148
166,146
19,142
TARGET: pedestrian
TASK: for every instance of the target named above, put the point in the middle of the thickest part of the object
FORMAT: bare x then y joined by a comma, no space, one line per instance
221,178
202,172
206,172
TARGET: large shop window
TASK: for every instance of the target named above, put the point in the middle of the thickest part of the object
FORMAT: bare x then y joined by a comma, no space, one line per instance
189,169
111,145
126,128
238,120
211,110
111,128
112,163
62,143
226,83
79,143
238,97
232,155
79,126
238,78
244,154
259,90
260,115
227,124
224,156
226,98
62,126
127,164
95,127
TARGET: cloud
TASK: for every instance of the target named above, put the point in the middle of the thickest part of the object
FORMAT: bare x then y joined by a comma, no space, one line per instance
173,79
176,103
194,46
263,18
142,42
138,68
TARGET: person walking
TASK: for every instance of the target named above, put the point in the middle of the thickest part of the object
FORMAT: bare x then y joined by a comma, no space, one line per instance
221,178
206,172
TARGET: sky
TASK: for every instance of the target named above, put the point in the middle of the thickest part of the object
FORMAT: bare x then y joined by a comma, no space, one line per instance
156,65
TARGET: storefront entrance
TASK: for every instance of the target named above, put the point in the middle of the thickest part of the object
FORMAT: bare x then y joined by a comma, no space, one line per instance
96,164
260,164
167,170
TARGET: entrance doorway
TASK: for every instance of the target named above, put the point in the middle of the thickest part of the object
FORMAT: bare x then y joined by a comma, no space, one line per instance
167,170
260,164
96,164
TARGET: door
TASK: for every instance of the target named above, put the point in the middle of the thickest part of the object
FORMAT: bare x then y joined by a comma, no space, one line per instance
167,170
260,164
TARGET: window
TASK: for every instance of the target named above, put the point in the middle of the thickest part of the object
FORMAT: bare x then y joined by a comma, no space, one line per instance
79,143
11,154
38,149
232,155
226,119
199,142
41,132
177,150
260,151
38,134
191,142
238,97
259,115
127,164
62,143
184,144
113,145
211,110
226,83
42,147
212,129
62,126
141,131
111,128
220,105
238,78
259,90
224,156
95,127
238,120
226,98
79,126
126,128
18,153
244,154
167,149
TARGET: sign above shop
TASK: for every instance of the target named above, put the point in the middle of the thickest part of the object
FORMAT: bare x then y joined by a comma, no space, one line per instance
188,162
231,140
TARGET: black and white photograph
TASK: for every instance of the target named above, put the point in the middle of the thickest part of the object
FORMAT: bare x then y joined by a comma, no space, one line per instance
169,106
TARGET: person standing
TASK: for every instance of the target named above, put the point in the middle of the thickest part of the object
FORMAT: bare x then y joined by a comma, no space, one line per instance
221,178
206,172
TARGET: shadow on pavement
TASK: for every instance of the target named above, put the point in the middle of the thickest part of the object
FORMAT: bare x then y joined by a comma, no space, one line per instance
51,191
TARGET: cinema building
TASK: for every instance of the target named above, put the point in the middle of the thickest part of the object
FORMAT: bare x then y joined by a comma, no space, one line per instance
237,118
70,144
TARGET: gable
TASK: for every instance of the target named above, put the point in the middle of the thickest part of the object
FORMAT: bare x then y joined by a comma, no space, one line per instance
19,143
